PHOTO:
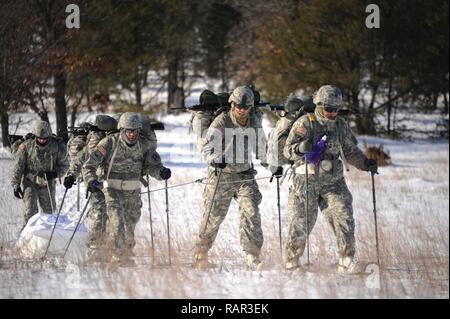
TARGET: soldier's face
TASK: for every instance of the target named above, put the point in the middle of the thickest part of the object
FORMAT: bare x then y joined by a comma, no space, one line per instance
42,141
330,115
131,135
330,111
242,110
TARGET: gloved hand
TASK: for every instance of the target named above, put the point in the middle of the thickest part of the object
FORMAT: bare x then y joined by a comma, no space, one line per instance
277,171
51,175
93,186
220,165
48,175
69,180
371,165
165,173
304,146
18,192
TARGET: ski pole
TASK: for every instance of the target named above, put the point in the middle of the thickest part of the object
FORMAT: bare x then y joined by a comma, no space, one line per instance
212,204
375,217
150,214
78,224
306,211
78,195
56,222
167,215
279,216
49,193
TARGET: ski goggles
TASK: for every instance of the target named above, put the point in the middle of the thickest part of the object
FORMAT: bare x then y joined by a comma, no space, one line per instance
245,107
331,108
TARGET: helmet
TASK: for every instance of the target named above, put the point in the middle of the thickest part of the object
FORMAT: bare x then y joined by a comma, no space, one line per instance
42,129
328,95
130,120
242,95
295,103
105,122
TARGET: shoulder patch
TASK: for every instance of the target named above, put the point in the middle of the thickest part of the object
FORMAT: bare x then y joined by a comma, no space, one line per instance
301,130
22,146
102,150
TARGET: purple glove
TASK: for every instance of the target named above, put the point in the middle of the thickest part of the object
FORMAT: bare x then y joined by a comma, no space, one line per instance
318,150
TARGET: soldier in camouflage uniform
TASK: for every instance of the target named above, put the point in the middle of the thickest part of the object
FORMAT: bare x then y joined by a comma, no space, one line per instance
237,177
38,162
97,212
326,184
127,157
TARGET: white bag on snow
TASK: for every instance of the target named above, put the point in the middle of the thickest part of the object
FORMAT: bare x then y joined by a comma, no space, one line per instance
34,238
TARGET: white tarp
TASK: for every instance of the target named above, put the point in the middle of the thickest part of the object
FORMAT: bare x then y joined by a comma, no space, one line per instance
34,237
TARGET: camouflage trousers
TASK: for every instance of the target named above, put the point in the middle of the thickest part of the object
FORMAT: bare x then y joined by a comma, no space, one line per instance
32,194
124,211
244,188
334,200
98,218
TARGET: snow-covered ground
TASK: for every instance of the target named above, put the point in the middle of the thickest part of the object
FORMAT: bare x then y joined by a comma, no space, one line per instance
413,221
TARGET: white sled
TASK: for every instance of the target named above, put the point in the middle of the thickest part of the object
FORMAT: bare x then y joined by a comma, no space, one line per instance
34,238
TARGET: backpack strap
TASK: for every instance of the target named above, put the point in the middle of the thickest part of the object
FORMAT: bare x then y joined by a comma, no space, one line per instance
312,120
115,147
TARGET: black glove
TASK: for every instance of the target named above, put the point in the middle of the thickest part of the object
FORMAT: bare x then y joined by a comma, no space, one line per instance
165,173
69,180
371,165
48,175
18,192
220,165
277,171
93,186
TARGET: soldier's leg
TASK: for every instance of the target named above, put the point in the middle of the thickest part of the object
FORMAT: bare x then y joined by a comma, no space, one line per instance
133,206
222,200
46,200
301,224
250,231
337,207
97,216
30,195
116,210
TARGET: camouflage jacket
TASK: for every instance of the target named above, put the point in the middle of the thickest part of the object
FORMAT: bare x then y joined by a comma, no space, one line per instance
32,160
226,138
339,135
77,161
128,162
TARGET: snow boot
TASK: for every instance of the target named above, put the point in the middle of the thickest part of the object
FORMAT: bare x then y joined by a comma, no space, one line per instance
200,260
347,265
292,264
253,262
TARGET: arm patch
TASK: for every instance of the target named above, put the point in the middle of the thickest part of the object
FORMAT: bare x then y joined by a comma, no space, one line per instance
22,147
102,150
301,130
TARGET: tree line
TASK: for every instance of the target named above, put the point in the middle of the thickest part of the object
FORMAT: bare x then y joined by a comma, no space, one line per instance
279,46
